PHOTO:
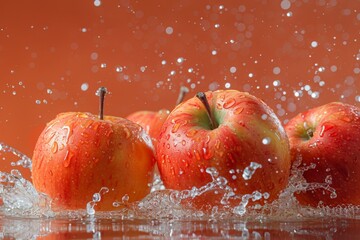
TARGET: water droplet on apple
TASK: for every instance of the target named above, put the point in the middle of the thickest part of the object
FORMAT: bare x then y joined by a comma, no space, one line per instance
197,155
54,147
172,171
328,179
191,132
238,110
125,198
67,160
177,124
183,142
162,157
324,128
175,127
217,144
229,103
207,153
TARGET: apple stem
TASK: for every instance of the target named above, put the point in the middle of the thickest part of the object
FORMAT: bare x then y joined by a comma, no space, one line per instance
101,93
183,91
203,99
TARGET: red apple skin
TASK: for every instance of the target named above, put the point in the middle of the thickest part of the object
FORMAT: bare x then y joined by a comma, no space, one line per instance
77,154
151,121
187,145
334,148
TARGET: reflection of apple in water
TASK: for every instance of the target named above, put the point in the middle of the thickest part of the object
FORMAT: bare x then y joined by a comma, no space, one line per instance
328,136
152,121
79,153
231,131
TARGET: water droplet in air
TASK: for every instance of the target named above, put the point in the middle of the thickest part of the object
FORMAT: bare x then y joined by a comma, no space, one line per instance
266,141
314,44
119,69
169,30
97,3
285,4
84,86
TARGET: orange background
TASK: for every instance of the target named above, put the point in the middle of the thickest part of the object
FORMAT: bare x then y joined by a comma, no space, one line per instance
143,51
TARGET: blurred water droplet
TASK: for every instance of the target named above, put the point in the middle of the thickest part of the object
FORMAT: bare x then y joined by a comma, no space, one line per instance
97,3
266,141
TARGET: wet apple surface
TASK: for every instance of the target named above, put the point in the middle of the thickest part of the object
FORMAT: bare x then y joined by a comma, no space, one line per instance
152,121
246,143
328,136
77,154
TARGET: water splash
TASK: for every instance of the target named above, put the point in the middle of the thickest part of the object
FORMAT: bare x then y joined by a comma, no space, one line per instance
18,197
24,161
96,198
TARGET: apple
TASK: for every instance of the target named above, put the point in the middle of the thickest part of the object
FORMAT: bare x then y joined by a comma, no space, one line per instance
235,133
152,121
329,137
78,153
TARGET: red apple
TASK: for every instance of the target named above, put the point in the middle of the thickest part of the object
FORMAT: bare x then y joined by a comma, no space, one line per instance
230,131
79,153
152,121
329,137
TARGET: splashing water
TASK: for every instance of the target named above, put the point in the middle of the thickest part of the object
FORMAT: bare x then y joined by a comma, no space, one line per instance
18,197
96,198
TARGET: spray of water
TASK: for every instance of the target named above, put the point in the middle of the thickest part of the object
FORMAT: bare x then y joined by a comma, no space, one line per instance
18,197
